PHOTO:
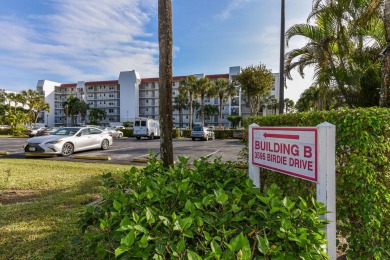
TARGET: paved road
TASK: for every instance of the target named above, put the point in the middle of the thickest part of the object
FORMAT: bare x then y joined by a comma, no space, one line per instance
125,150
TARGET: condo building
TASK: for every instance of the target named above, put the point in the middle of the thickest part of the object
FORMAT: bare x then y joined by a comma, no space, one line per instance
131,96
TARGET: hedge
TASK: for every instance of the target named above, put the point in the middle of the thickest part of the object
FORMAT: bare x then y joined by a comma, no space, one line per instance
362,176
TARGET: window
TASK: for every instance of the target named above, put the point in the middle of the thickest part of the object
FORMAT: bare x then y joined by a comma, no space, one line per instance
110,110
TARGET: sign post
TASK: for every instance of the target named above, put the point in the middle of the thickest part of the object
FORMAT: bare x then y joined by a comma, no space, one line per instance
304,152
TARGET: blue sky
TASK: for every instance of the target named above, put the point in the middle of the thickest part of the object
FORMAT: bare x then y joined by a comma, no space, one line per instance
71,40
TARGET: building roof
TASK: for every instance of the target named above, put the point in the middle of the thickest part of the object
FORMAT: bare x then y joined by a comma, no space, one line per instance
68,85
107,82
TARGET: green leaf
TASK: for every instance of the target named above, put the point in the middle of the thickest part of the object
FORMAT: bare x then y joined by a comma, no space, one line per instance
222,198
206,235
144,241
164,220
186,223
129,239
263,244
238,242
125,224
189,206
149,216
193,256
135,217
215,247
288,203
117,205
140,228
181,245
120,250
286,223
207,200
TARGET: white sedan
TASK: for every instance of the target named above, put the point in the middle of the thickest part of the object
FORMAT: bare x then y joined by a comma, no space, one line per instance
113,131
67,140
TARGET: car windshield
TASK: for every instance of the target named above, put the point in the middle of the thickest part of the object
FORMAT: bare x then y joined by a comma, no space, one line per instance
66,131
198,128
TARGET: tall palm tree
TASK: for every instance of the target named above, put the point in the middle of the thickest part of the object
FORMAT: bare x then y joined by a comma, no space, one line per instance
96,115
288,104
187,86
203,87
165,82
32,97
180,103
223,89
83,110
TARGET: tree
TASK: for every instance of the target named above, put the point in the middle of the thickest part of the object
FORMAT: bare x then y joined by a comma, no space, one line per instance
31,97
223,89
96,115
288,105
273,104
203,87
343,46
209,111
83,109
180,103
256,83
235,120
188,86
165,80
308,100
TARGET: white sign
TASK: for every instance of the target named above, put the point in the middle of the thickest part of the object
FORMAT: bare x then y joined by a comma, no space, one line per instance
289,150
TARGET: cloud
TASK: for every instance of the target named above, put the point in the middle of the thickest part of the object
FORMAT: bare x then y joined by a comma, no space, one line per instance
230,7
83,40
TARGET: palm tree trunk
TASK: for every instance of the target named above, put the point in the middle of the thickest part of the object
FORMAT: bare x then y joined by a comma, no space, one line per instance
220,112
385,95
191,111
165,82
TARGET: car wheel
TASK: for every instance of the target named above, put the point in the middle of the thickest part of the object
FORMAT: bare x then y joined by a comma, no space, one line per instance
193,139
138,137
120,136
206,138
151,137
105,144
67,149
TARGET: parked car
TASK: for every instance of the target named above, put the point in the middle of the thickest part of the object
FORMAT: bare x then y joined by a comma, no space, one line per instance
202,133
46,131
32,131
113,131
67,140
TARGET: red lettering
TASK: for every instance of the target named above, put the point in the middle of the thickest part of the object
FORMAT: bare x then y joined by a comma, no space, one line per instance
307,151
295,150
257,145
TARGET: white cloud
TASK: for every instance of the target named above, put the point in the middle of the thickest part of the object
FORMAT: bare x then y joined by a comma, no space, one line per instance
83,40
230,7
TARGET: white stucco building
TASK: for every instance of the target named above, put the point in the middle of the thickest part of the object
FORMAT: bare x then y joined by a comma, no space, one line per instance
132,96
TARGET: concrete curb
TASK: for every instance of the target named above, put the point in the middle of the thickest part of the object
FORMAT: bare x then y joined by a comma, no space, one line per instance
92,157
140,160
5,153
39,155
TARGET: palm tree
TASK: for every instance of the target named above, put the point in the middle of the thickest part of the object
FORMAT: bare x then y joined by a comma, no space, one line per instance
31,98
165,82
273,104
180,103
288,104
203,87
209,111
96,115
187,86
223,89
308,100
83,109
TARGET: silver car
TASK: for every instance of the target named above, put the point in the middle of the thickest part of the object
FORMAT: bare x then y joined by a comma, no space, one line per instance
67,140
203,133
113,131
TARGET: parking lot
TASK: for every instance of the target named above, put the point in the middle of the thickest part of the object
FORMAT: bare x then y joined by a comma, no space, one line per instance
130,150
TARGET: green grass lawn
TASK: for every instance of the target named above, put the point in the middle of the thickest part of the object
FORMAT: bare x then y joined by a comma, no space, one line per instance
40,202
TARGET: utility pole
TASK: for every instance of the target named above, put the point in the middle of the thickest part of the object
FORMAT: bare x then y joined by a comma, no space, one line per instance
281,69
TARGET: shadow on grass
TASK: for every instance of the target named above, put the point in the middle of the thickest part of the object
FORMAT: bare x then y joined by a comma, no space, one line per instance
44,226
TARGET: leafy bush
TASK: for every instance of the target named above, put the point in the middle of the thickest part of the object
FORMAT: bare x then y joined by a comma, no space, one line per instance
175,133
187,133
211,210
127,132
362,175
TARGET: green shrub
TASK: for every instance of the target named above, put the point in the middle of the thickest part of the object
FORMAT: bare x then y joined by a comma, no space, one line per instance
211,210
362,175
175,133
127,132
186,133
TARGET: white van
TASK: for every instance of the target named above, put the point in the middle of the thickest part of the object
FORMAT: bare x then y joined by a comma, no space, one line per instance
146,127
